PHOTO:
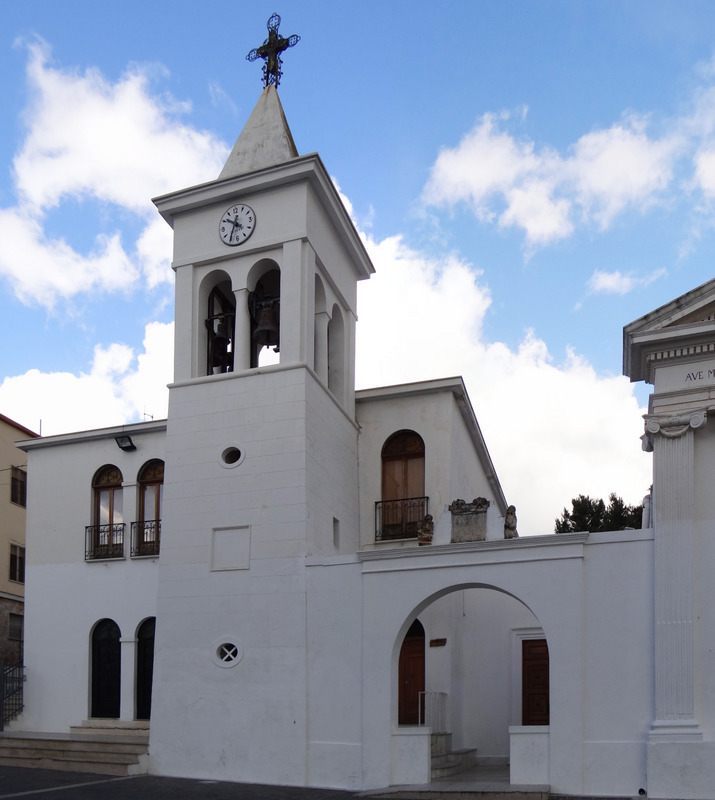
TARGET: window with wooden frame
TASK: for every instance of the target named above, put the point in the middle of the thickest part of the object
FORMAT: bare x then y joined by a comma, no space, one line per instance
403,502
105,537
18,487
151,491
17,563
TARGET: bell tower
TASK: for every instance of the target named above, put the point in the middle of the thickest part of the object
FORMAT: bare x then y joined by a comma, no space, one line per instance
261,452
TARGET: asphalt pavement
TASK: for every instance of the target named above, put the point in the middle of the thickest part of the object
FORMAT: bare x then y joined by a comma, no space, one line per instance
45,784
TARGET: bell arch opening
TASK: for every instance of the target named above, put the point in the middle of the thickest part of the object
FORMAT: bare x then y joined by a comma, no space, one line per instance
264,307
216,333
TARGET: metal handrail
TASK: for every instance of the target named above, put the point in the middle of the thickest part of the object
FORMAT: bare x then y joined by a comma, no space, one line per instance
433,711
12,678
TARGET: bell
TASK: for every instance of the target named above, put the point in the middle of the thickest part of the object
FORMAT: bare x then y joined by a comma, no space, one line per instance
266,332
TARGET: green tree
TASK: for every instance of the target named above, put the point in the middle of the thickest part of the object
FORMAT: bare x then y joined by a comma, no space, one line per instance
588,514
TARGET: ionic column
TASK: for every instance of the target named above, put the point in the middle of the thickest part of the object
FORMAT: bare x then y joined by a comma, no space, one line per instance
672,441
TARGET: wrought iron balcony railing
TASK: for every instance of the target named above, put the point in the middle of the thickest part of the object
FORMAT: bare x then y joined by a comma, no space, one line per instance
397,519
145,538
104,541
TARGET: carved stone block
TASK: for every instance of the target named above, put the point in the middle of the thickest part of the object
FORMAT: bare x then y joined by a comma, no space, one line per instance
469,520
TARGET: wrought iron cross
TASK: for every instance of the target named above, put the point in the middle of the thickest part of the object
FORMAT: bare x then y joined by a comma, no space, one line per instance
270,51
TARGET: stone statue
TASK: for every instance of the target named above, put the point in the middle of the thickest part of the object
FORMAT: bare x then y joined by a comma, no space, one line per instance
425,531
510,531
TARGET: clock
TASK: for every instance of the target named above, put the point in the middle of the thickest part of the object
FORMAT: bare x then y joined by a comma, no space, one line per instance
236,224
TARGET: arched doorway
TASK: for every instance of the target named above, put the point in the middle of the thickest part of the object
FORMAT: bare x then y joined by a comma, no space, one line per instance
106,670
145,668
411,675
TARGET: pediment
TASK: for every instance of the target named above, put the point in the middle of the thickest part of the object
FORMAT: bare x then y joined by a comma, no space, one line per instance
682,329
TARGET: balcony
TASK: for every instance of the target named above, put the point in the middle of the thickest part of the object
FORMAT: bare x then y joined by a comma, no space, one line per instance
145,538
398,519
104,541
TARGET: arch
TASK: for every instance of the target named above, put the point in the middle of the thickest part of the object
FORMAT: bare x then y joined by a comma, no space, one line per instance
105,670
336,353
106,534
144,668
146,531
320,331
264,306
473,686
404,503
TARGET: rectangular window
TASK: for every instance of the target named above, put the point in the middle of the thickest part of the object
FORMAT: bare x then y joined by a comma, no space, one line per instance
18,487
14,627
17,563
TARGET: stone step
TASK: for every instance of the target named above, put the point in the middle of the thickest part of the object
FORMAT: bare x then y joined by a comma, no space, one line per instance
96,752
452,763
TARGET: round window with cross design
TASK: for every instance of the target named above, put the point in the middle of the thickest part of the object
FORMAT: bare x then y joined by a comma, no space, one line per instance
227,652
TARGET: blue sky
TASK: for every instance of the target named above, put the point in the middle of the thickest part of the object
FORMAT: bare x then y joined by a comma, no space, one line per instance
529,178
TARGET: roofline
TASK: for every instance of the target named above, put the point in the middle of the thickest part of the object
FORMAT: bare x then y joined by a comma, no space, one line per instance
456,386
17,425
96,434
309,168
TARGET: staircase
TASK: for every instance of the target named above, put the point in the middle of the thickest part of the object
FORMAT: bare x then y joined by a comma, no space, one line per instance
445,761
103,747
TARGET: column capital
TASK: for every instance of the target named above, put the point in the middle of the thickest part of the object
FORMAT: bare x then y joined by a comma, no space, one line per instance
671,427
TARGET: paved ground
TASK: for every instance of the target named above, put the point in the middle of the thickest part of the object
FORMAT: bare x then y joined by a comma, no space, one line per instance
53,785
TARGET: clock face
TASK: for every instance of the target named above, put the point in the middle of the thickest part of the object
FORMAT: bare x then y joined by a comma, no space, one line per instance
236,224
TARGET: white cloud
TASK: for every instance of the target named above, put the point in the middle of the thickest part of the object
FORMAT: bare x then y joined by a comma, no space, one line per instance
116,144
42,270
618,283
514,183
554,430
120,386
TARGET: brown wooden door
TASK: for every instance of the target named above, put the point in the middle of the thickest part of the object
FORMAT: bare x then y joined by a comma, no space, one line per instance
534,682
411,675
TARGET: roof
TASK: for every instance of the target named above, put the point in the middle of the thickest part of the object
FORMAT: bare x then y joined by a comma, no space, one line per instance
681,330
17,425
265,139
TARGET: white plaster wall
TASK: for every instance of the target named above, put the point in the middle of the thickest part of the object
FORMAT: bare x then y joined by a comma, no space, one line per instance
335,673
252,716
332,474
567,587
65,595
468,479
299,461
618,663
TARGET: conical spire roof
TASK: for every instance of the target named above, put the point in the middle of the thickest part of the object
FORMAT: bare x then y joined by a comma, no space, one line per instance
265,139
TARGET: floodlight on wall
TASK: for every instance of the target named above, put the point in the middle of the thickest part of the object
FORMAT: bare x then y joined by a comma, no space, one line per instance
125,443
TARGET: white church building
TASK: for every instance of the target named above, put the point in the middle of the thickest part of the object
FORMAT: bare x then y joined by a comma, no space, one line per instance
291,582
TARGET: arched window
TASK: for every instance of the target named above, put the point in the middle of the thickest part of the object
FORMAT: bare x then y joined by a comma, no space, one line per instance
106,669
403,502
105,537
145,532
